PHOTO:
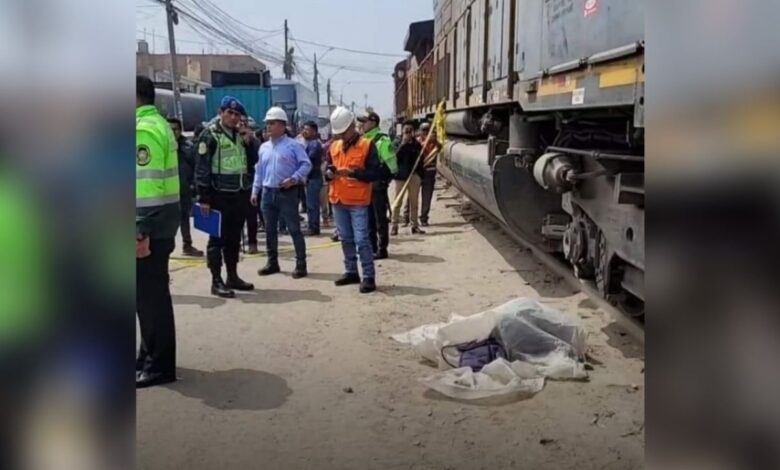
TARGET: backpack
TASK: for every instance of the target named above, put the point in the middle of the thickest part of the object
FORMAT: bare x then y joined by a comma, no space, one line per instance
476,354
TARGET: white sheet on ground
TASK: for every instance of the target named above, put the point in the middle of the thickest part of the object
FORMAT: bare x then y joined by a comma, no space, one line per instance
541,343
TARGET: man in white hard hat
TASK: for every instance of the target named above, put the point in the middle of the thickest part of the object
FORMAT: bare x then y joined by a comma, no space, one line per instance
282,169
354,166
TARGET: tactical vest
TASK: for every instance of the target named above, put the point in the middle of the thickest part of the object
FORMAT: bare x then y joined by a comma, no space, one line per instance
156,176
229,170
344,190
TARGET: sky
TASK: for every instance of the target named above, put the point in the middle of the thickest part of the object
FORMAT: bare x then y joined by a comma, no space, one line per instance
368,25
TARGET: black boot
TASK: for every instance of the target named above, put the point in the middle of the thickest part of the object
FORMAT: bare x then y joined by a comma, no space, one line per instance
368,285
189,250
235,282
219,288
347,279
300,271
381,254
270,268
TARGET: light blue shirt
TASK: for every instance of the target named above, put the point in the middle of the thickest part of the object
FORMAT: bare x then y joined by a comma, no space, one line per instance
279,159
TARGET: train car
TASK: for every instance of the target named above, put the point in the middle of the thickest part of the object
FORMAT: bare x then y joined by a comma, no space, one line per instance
545,124
193,107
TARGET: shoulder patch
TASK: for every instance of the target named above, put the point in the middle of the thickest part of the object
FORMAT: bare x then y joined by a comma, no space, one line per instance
142,155
203,148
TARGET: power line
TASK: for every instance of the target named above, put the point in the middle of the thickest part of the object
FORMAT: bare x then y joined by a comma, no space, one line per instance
355,51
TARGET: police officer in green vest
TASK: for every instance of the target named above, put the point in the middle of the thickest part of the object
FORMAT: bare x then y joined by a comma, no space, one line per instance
224,183
378,223
156,222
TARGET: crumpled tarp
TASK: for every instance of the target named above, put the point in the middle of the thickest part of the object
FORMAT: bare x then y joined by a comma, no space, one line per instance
540,341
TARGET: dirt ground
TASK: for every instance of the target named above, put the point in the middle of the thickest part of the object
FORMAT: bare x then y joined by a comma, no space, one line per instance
301,374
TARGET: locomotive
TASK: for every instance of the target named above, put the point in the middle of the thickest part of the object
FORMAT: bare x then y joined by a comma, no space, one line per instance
545,124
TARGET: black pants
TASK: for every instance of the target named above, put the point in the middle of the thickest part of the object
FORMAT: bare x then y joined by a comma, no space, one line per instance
251,224
233,207
428,182
186,212
378,222
155,310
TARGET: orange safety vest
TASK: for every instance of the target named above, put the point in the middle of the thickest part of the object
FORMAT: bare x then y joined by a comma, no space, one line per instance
350,191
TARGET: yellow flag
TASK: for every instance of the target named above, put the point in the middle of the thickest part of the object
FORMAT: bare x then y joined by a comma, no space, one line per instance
438,124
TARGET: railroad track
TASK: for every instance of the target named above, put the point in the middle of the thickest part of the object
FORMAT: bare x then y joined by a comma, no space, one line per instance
631,325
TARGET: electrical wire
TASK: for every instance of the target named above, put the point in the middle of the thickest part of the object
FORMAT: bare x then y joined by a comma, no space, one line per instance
354,51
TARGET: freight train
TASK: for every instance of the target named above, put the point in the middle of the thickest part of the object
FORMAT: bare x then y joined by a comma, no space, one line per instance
545,124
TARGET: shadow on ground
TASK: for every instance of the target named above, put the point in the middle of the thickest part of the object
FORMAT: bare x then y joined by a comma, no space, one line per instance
416,258
201,300
397,291
281,296
523,261
234,389
323,276
618,338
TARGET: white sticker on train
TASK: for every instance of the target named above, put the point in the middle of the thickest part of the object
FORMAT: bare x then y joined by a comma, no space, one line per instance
578,96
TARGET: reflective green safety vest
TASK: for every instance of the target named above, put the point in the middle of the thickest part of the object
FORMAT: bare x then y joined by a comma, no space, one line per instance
230,163
156,160
384,148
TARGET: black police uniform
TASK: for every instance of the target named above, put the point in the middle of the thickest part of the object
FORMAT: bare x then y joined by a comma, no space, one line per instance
229,194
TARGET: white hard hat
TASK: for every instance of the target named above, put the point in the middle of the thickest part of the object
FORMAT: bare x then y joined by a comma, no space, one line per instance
341,119
276,114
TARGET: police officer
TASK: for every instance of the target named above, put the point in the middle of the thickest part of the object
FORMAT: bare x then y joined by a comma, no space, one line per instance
223,181
378,223
156,222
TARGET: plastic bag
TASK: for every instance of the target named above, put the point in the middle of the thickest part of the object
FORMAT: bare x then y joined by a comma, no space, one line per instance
499,379
540,335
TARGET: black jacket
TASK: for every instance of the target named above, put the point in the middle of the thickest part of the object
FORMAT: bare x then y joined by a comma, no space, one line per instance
186,167
407,155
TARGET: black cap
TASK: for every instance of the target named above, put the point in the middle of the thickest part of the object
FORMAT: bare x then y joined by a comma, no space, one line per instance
372,116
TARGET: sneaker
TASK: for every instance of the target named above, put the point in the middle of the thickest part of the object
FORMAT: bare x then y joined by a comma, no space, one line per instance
424,223
312,233
381,254
368,285
252,250
334,237
347,279
189,250
417,230
269,269
394,230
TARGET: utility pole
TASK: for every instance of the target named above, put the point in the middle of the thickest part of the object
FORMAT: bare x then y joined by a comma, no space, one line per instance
316,82
287,58
173,18
328,90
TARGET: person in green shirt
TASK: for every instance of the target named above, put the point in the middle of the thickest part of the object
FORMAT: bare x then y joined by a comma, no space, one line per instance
378,221
157,216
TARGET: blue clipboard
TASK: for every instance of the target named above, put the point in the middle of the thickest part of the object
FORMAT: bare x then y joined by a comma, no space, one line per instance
211,224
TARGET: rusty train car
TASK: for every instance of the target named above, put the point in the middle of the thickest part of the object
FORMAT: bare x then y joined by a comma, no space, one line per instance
545,124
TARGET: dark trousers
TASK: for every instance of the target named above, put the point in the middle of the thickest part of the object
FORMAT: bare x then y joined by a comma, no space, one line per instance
378,222
186,212
302,198
282,205
155,310
426,188
251,224
313,187
233,207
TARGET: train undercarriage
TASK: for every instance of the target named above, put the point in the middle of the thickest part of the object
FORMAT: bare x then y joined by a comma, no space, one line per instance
571,183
